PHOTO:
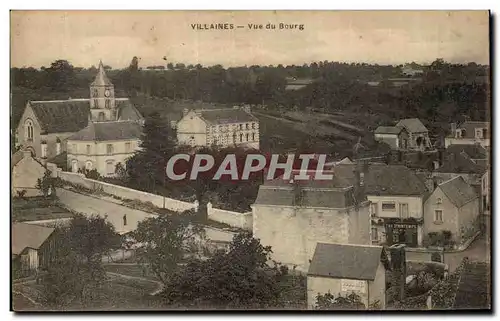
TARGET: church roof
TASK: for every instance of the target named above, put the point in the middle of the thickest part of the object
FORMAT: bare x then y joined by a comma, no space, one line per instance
101,79
69,116
61,116
109,131
127,110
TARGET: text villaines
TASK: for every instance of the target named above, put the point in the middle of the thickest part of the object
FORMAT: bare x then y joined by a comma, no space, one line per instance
212,26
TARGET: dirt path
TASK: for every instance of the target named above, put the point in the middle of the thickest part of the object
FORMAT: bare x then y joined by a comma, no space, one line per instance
130,277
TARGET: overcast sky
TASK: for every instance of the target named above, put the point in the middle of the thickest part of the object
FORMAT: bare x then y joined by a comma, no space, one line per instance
383,37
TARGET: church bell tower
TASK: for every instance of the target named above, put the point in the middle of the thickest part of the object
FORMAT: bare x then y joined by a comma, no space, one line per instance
102,97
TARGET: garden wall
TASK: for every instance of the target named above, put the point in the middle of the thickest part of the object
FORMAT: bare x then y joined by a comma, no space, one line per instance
233,219
123,192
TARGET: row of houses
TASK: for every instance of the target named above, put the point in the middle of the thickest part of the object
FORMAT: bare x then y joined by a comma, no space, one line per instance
411,134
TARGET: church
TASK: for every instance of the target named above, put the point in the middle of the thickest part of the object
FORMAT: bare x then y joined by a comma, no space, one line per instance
94,133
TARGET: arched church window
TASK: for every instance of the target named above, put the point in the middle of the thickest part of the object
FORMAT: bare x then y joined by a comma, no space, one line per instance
88,165
28,125
101,116
107,103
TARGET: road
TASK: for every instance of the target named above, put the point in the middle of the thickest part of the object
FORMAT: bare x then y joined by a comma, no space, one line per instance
478,251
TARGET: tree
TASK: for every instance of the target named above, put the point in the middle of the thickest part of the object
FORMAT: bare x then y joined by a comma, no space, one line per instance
170,66
146,168
92,237
47,184
75,269
328,301
61,76
165,240
62,282
238,278
120,171
134,65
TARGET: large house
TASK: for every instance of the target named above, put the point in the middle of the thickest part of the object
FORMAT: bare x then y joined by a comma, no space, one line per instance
472,163
292,216
341,269
396,196
418,134
219,127
469,132
45,126
103,145
453,207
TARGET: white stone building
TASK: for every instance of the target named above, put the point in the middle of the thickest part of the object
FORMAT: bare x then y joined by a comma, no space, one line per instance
220,127
292,216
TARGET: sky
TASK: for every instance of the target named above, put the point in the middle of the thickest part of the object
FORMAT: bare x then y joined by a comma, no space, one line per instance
383,37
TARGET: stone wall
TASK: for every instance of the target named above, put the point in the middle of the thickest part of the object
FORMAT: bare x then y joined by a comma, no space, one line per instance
123,192
233,219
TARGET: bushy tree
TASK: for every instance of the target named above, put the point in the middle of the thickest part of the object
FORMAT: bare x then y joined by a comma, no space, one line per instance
328,301
238,278
146,168
47,184
75,268
165,240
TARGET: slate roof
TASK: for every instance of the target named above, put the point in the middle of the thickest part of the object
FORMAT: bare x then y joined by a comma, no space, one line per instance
127,110
458,191
460,163
382,179
475,151
412,125
227,116
335,193
109,131
388,130
101,79
61,116
69,116
346,261
28,236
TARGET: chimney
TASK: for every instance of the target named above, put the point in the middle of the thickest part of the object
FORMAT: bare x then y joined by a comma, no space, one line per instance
185,111
440,157
398,266
453,127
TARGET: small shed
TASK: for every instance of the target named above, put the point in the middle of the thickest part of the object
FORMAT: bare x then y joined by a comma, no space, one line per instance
31,245
341,269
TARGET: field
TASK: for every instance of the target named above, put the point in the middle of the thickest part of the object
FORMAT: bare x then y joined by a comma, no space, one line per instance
333,134
117,293
35,209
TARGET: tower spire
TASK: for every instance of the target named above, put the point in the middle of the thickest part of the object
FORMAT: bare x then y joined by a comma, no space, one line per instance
101,79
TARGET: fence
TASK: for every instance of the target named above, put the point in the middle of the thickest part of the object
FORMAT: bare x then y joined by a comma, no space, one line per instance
125,192
233,219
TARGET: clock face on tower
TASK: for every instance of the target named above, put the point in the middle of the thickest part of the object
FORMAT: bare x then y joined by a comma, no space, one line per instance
107,93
